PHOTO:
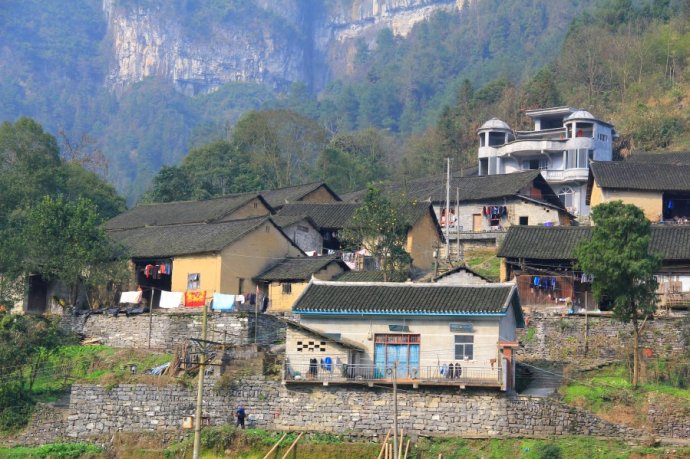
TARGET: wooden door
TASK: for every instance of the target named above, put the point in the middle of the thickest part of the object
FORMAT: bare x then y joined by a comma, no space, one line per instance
476,222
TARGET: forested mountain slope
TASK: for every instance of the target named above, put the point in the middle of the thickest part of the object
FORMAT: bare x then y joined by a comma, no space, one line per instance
147,80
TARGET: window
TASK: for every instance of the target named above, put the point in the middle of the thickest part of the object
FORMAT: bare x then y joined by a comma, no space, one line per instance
603,137
524,221
565,194
496,138
256,205
193,281
532,164
464,347
287,288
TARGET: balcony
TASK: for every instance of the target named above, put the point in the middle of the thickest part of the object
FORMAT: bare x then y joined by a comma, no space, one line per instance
567,175
466,376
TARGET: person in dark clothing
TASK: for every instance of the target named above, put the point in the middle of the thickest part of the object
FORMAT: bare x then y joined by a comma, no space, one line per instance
240,415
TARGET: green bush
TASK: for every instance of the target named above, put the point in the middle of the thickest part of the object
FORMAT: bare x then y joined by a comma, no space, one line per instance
52,451
549,451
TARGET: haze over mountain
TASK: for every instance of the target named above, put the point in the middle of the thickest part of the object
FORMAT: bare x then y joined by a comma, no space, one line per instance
147,80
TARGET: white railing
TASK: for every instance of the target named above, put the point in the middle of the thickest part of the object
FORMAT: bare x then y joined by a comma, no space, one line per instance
456,375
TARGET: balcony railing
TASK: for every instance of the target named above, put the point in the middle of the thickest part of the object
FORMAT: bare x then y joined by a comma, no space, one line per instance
429,375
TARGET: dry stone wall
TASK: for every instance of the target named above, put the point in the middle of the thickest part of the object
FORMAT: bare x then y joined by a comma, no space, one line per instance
552,337
353,410
168,330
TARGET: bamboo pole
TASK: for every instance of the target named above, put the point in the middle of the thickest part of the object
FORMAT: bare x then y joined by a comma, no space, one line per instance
276,445
407,447
292,445
400,443
383,446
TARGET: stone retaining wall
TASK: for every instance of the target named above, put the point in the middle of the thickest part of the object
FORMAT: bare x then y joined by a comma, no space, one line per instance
549,337
169,329
666,418
352,410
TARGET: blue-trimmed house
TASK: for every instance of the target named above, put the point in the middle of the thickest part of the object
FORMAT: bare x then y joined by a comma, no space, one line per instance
431,334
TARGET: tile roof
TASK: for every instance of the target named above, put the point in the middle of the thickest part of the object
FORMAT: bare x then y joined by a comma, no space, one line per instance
672,242
179,212
367,276
678,158
166,241
458,269
403,298
298,268
279,197
640,175
287,220
183,212
331,216
472,188
339,215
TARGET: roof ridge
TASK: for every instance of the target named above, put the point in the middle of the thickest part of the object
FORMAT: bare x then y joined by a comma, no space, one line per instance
411,284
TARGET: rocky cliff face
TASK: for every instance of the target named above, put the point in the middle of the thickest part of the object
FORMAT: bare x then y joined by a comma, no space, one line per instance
274,41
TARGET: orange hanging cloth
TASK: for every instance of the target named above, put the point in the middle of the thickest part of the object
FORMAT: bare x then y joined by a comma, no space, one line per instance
194,298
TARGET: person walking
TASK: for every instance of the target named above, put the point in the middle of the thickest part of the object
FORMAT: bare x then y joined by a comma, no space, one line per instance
240,415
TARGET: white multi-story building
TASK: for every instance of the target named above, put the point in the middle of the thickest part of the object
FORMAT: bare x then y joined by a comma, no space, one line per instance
562,144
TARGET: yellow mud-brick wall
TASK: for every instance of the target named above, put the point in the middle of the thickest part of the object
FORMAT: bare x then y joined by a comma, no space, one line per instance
320,194
251,255
282,302
421,240
253,208
651,202
208,268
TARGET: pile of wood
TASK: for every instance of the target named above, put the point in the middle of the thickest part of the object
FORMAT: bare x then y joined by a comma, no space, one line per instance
388,451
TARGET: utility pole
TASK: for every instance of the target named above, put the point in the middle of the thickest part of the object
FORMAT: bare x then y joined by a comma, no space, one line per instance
394,372
447,207
457,223
200,387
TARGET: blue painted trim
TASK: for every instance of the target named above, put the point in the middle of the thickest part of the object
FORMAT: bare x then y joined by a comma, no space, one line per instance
385,313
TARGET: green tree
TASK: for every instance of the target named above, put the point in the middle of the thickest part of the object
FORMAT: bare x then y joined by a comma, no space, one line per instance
171,183
29,164
618,257
60,240
379,226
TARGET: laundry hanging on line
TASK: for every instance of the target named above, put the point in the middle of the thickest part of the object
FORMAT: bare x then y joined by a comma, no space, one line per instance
170,300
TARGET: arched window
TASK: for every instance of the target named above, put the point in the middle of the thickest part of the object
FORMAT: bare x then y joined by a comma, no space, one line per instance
565,194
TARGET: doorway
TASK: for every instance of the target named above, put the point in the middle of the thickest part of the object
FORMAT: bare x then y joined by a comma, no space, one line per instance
401,349
476,223
38,292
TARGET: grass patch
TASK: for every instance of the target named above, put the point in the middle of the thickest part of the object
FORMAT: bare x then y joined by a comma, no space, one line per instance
484,261
53,451
609,393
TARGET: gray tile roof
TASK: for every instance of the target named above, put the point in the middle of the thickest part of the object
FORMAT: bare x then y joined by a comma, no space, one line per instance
472,189
279,197
640,175
179,212
329,216
678,158
167,241
339,215
183,212
298,268
367,276
672,242
403,298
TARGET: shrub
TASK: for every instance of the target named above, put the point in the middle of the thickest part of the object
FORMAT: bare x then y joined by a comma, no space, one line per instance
548,451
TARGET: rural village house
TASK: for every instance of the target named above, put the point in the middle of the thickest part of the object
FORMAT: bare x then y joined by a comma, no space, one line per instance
661,189
560,147
541,262
487,205
285,281
423,235
435,334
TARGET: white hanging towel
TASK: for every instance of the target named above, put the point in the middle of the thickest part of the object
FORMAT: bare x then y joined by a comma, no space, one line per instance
131,297
239,299
170,300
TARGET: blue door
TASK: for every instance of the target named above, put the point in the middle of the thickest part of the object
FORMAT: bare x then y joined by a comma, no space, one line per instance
400,349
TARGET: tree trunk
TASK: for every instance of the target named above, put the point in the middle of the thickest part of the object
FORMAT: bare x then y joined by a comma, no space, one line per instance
636,353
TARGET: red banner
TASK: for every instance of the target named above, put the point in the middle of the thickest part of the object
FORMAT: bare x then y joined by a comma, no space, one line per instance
194,298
